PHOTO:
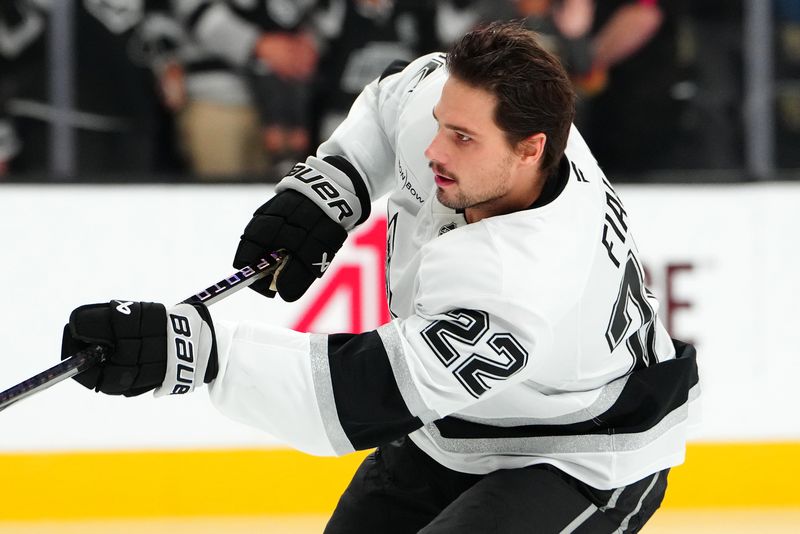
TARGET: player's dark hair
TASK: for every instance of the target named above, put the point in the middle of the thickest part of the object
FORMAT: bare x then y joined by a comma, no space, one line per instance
533,91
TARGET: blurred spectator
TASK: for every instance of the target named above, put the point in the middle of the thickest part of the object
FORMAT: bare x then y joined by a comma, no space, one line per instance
716,127
20,25
624,27
9,145
116,105
456,17
246,62
608,44
363,37
787,17
563,27
283,96
156,44
633,122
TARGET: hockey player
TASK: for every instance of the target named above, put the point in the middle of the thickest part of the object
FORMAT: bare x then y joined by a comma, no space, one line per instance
525,383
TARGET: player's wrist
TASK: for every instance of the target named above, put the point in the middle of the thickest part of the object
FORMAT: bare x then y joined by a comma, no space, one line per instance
191,355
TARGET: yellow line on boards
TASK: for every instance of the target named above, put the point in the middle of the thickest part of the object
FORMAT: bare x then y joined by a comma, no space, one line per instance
728,475
179,483
258,482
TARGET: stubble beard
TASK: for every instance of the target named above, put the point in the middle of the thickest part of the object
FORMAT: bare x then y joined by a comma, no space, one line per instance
461,200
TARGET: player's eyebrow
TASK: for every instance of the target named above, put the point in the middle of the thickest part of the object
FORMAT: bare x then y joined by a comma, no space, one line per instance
462,129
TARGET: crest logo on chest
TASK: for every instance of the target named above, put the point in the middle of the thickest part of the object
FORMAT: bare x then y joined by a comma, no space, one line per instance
447,227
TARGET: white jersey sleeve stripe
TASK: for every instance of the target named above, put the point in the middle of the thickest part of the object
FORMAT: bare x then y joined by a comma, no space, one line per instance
266,380
323,386
322,394
393,344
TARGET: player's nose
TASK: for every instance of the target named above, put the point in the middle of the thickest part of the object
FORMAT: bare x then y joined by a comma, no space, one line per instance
434,151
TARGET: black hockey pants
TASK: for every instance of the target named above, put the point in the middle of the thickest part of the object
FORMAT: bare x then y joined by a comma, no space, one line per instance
398,489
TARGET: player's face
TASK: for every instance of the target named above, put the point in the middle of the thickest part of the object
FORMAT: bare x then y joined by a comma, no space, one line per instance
473,164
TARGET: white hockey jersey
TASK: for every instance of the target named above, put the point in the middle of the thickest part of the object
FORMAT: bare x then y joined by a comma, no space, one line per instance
520,339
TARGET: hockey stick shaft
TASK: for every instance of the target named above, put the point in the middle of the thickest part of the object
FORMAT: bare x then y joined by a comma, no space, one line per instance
92,356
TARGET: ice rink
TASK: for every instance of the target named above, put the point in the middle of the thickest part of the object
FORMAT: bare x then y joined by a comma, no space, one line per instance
711,521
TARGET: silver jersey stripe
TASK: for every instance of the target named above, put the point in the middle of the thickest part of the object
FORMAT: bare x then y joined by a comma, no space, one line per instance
323,386
393,346
544,445
578,521
608,396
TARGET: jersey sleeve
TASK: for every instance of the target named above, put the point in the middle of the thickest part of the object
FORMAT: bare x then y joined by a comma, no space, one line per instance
367,137
321,394
332,394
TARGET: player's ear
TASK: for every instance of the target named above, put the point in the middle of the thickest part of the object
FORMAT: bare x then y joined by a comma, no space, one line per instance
531,149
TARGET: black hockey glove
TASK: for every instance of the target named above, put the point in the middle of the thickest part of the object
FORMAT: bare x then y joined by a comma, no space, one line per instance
315,206
149,346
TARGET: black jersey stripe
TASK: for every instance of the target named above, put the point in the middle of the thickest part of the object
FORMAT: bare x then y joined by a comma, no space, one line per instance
650,394
556,444
393,345
369,405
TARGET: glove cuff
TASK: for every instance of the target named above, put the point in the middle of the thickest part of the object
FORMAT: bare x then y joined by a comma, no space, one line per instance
212,369
191,350
334,185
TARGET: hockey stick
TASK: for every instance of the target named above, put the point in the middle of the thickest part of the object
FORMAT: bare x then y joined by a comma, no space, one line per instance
92,356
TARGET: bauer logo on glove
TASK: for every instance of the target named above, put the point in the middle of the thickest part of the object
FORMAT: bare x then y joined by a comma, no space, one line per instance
190,347
149,346
313,209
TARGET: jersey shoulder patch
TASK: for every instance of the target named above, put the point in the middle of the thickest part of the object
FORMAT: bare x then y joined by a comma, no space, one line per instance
433,63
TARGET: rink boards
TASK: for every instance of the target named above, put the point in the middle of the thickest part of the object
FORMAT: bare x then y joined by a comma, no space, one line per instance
724,261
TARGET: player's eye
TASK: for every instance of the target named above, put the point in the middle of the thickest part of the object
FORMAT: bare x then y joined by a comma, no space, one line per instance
463,138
